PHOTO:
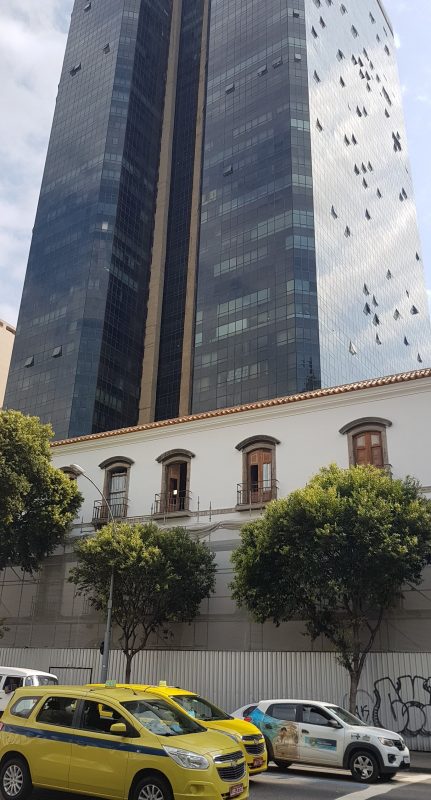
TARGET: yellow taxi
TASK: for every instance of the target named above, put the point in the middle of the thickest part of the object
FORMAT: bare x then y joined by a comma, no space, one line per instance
245,733
140,748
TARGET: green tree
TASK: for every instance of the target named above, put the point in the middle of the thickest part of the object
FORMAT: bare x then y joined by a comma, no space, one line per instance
336,554
37,501
160,576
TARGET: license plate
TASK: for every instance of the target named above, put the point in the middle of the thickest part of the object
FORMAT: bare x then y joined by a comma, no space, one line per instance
236,790
257,762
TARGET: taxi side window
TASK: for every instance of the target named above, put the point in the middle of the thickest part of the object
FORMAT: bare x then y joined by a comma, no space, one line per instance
58,711
23,707
315,716
284,711
97,717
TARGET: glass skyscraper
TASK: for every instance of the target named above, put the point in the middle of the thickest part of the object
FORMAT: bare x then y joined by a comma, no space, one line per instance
226,213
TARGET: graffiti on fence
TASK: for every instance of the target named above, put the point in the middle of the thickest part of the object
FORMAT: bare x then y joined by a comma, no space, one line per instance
403,705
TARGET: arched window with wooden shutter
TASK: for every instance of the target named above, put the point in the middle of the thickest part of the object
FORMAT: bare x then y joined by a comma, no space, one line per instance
368,442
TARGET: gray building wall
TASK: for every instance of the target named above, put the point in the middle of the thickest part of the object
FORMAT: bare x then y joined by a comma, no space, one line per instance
394,693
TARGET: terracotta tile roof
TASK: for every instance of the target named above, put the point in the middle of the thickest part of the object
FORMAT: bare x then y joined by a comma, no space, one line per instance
402,377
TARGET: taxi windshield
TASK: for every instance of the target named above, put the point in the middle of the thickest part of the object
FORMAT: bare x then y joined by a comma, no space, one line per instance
198,708
161,718
346,716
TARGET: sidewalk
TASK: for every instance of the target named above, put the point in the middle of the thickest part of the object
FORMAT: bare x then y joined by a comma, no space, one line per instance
420,762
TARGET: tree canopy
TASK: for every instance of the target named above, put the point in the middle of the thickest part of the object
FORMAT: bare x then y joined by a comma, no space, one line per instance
336,554
160,577
37,501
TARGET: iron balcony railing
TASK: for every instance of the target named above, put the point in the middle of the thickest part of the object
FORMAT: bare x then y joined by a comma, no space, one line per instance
171,502
253,493
118,506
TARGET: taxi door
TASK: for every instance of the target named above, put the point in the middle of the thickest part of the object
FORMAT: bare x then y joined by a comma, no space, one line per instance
319,742
99,758
49,742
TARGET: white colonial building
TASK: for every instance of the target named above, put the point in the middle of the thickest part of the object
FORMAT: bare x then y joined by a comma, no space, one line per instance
211,473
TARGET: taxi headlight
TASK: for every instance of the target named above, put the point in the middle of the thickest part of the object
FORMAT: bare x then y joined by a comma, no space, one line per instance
386,742
187,759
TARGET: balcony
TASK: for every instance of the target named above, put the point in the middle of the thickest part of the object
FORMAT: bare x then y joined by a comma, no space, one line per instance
256,494
172,503
118,506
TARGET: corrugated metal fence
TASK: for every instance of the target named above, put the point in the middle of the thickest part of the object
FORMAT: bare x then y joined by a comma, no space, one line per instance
395,690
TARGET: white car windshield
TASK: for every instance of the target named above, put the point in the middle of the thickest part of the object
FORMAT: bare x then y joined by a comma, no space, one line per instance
346,716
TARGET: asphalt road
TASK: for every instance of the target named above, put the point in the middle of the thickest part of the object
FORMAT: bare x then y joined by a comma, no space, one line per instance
309,783
314,784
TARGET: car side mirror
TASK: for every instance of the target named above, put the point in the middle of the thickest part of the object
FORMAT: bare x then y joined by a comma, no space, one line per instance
334,724
118,728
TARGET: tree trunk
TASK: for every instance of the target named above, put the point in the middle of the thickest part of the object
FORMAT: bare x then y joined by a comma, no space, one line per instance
129,659
354,683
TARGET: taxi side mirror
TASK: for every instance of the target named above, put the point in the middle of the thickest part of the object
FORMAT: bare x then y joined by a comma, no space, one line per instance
118,728
334,724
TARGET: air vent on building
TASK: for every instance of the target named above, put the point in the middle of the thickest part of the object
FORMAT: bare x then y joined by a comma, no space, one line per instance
262,70
57,352
406,341
352,349
29,362
414,310
378,339
75,69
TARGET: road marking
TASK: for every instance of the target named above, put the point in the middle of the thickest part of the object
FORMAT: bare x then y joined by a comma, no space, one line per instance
375,791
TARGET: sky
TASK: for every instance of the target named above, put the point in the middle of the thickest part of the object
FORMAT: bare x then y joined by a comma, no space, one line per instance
32,42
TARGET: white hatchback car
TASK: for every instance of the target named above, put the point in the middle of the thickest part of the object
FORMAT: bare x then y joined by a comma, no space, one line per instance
323,734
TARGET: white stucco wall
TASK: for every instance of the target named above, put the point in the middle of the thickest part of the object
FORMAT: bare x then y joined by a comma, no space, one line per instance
309,439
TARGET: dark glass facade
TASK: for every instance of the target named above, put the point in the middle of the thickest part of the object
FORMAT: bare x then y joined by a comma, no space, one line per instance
256,312
308,271
78,353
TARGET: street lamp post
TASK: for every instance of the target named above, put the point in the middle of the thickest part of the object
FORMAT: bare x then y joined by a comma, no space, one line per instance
107,638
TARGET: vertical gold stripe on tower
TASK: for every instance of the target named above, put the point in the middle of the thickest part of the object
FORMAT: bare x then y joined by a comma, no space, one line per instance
155,293
189,315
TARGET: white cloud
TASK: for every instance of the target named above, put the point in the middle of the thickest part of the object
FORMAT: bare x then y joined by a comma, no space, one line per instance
32,43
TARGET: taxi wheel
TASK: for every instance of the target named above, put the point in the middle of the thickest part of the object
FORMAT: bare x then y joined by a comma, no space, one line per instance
364,767
152,787
15,780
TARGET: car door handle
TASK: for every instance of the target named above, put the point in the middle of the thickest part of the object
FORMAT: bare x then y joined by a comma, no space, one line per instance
303,730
